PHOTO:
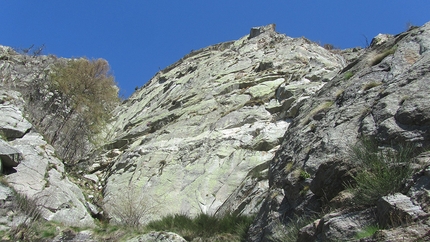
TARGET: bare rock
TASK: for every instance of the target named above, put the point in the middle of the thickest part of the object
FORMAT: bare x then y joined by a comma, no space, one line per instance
9,156
158,237
256,31
331,178
398,209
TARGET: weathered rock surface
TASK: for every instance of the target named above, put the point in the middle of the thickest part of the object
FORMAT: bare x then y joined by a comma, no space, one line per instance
10,216
12,123
38,175
198,137
158,237
384,95
49,111
262,124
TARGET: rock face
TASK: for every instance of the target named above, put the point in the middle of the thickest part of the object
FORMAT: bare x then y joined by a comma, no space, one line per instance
31,165
383,95
199,136
48,110
262,125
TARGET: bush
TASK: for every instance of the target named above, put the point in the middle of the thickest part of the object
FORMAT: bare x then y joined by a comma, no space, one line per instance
90,87
204,226
382,172
132,208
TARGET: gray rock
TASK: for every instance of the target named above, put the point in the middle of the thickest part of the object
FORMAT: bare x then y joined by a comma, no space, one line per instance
331,178
256,31
9,156
398,209
158,237
41,178
381,94
12,123
199,130
344,226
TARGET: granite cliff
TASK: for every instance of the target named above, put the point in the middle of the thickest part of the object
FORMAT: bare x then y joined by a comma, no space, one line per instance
263,126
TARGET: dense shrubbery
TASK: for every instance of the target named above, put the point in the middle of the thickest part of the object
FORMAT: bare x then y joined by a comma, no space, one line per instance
382,172
90,87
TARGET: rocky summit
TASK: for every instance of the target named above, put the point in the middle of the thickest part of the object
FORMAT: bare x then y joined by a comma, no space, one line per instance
269,126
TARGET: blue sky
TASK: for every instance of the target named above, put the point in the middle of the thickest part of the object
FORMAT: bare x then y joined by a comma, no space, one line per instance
139,37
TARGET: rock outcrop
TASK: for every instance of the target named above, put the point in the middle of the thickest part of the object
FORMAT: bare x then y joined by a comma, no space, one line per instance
383,95
32,166
262,125
199,136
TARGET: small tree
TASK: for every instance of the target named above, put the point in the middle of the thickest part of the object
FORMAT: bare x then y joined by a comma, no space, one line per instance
132,207
91,88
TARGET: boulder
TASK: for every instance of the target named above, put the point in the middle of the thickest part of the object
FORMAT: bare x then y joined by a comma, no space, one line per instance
158,237
398,209
256,31
331,178
12,123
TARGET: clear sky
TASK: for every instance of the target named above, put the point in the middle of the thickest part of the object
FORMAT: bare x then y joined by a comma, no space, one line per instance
139,37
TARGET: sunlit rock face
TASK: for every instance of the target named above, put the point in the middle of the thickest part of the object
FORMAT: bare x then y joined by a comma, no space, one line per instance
199,136
383,95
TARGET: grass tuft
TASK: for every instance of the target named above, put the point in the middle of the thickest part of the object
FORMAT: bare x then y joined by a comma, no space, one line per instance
382,172
204,226
379,57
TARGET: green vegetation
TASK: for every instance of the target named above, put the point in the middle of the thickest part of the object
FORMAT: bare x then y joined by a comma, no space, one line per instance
304,175
381,172
348,75
226,228
367,232
90,88
290,231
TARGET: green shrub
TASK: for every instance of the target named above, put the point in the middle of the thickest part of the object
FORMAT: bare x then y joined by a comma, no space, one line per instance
204,226
304,174
381,172
90,88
